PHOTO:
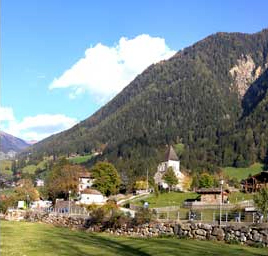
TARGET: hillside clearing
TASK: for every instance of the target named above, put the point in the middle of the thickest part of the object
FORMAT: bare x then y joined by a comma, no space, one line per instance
80,159
242,173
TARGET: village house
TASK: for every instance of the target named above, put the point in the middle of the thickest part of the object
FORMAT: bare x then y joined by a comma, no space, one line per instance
255,183
213,195
39,183
85,182
88,195
91,196
171,160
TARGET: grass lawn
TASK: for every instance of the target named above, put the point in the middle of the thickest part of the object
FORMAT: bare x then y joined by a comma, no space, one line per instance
80,159
33,239
165,199
235,197
242,173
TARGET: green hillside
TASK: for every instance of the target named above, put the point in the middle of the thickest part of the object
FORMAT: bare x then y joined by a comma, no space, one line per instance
194,99
243,173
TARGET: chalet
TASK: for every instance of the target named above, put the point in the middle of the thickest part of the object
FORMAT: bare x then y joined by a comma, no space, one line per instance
85,181
171,160
213,195
255,183
90,196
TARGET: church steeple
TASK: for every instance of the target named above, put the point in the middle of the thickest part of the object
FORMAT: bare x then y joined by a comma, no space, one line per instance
171,154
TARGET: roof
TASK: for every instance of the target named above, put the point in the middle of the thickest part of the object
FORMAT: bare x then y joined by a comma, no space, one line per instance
90,191
171,154
262,177
85,175
210,191
64,204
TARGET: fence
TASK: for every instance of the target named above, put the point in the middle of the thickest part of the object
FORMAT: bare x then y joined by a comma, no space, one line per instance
201,205
210,216
72,211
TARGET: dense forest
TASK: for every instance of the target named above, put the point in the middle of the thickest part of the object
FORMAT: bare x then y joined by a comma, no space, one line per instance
210,99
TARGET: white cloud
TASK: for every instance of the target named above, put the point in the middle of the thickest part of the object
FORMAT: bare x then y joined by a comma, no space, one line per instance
6,114
104,71
37,127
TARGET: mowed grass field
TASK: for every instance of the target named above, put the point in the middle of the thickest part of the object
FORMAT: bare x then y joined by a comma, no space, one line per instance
165,199
35,239
243,173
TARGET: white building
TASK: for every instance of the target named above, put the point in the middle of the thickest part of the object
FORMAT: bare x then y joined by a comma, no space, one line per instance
90,196
39,183
171,160
40,204
85,182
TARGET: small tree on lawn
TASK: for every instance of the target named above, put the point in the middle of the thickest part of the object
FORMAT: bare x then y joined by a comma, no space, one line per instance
140,185
170,178
206,181
261,201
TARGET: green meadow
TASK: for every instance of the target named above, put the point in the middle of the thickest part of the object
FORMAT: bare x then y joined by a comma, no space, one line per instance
35,239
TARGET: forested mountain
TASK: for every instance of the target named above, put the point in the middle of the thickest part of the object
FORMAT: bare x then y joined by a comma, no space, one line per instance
249,141
198,98
11,143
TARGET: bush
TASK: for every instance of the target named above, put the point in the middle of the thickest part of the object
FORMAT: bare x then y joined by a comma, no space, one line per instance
143,216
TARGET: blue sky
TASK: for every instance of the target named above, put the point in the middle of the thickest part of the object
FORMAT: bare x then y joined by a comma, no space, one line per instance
61,60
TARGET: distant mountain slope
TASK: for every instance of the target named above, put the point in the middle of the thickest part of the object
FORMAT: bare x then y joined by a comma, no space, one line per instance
11,143
248,143
193,98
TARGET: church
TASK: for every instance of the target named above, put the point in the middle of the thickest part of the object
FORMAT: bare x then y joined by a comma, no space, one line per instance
171,160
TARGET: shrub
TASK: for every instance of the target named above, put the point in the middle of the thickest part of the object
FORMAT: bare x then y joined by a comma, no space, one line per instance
143,216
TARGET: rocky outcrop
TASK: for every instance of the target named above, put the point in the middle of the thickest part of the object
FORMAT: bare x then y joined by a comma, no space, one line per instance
244,74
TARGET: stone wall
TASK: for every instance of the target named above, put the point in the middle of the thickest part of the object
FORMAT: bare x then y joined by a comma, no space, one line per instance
73,222
236,233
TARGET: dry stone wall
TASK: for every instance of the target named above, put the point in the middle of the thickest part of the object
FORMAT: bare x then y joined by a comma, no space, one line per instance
238,233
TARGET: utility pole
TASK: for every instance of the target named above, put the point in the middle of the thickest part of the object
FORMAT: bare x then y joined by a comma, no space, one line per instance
147,182
221,183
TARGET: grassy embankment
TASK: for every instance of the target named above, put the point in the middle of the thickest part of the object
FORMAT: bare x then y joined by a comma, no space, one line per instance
5,168
243,173
34,239
80,159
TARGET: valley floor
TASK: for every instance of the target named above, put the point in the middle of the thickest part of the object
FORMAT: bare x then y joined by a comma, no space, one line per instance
33,239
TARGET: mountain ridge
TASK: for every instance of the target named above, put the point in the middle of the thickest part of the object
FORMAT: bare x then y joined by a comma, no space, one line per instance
192,98
9,142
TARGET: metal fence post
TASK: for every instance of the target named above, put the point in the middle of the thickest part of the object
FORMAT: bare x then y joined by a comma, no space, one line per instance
213,216
226,217
239,216
253,217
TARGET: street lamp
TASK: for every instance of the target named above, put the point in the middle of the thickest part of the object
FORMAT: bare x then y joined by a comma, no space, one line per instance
69,202
27,201
221,183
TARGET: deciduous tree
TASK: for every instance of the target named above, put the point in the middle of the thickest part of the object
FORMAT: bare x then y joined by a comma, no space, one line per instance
170,178
63,178
106,178
206,181
261,201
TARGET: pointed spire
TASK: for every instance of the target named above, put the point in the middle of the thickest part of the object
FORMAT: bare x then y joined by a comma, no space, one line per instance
171,154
